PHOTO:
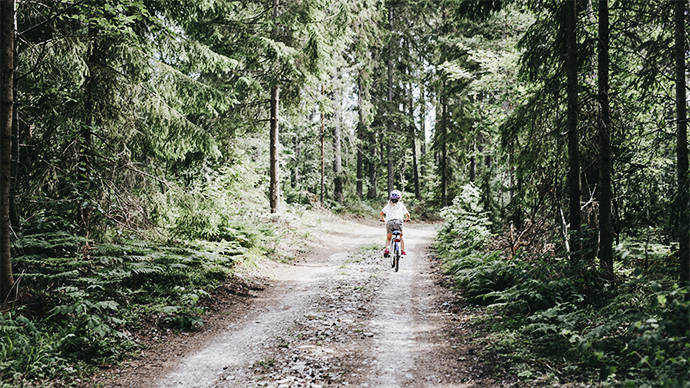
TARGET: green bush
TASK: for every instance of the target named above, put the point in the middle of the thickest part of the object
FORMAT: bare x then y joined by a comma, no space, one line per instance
27,352
633,332
89,298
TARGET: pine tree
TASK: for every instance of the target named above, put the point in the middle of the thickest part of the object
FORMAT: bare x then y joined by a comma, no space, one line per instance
606,232
683,202
7,34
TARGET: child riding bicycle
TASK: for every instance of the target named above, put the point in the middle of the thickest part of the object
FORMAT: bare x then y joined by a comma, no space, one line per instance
395,214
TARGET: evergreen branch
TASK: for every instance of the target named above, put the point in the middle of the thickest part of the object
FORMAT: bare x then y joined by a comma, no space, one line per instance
51,18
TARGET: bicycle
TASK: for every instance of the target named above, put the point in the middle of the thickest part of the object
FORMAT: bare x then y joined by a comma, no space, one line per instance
396,250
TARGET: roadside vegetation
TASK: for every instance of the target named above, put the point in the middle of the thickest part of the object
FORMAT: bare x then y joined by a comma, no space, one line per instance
83,301
553,321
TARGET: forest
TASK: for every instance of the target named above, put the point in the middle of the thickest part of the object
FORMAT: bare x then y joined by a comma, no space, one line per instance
152,148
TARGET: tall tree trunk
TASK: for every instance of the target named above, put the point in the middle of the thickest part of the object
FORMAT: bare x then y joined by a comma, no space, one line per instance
337,157
413,135
360,169
605,229
389,139
14,169
296,178
422,125
683,205
389,154
361,125
323,150
473,163
573,136
90,85
274,186
371,193
7,9
444,148
274,158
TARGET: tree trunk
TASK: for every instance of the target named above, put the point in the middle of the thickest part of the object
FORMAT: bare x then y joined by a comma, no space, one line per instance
338,195
573,136
14,169
86,134
473,163
360,169
7,9
683,205
274,186
391,176
296,178
323,149
444,148
422,125
371,193
274,158
389,139
413,135
361,125
605,230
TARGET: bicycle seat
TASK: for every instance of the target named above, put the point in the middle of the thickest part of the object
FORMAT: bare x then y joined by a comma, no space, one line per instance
396,233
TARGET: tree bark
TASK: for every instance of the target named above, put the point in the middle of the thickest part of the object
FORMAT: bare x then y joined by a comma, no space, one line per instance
683,204
413,135
274,158
296,178
605,229
391,176
90,85
7,9
473,163
572,122
338,195
422,125
360,170
389,139
361,125
371,193
14,168
444,148
274,186
323,149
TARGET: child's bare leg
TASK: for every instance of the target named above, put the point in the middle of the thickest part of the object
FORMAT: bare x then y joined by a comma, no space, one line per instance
389,237
402,242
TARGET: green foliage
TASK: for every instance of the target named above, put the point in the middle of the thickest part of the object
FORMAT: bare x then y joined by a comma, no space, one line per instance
635,333
27,352
466,226
89,298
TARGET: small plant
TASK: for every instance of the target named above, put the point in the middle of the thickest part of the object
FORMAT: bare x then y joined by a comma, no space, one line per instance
265,363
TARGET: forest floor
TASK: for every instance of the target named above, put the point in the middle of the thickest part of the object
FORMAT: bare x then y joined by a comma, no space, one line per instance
337,316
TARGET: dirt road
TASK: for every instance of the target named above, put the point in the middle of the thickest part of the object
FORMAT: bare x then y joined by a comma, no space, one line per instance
340,317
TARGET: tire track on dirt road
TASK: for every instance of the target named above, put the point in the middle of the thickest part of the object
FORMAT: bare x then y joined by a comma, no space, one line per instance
230,356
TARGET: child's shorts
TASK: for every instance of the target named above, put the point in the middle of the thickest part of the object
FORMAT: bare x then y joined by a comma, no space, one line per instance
394,225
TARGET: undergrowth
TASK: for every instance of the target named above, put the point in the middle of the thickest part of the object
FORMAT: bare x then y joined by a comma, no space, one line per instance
81,301
558,322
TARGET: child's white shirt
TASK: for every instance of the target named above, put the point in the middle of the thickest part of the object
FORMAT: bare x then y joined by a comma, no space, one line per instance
395,211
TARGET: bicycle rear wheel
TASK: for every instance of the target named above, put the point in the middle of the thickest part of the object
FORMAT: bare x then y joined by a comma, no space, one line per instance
397,257
392,256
